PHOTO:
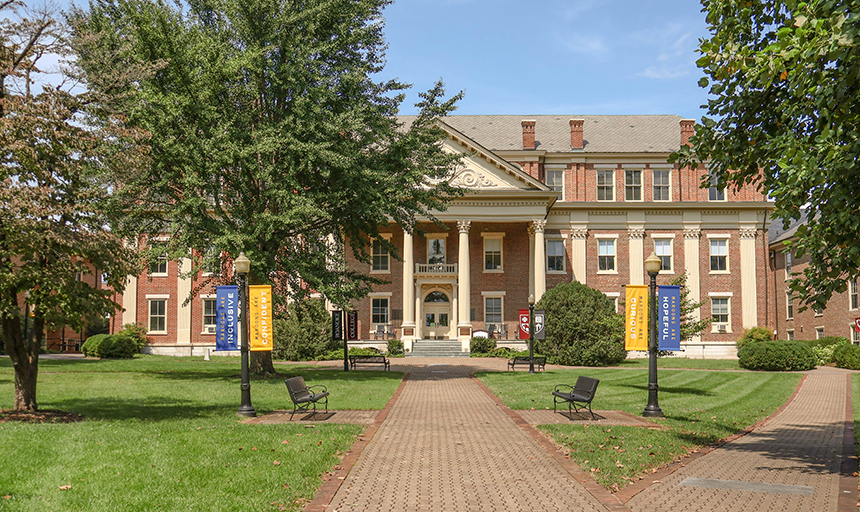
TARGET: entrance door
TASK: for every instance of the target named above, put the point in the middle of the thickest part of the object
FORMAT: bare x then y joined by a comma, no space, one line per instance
437,314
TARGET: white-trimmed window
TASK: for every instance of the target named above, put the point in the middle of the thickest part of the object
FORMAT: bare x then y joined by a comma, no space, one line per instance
493,252
818,311
159,266
614,297
721,318
606,255
633,185
788,264
662,178
663,250
555,181
379,310
855,335
555,256
789,334
789,306
605,185
380,257
719,255
157,320
819,332
209,315
493,309
715,193
212,261
853,296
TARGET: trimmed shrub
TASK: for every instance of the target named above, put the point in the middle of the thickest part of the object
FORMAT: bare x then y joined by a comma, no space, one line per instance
755,335
137,333
110,346
776,356
482,345
395,348
582,327
847,356
92,346
305,333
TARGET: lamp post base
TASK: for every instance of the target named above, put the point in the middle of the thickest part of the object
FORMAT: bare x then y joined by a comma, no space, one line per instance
247,411
652,412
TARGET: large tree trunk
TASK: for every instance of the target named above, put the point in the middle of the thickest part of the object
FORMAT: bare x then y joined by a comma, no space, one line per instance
24,354
261,363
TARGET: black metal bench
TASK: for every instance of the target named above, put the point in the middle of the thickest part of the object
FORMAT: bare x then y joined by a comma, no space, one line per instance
303,397
540,362
356,360
576,396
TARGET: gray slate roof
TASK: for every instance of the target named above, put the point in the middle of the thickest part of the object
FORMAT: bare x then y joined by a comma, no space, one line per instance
602,134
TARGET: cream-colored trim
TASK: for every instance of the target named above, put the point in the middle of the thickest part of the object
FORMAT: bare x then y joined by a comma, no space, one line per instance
721,295
562,239
149,300
493,294
493,236
379,294
157,296
386,236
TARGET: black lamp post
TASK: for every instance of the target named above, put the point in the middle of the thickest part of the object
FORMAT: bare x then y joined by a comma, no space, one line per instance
531,333
652,266
243,266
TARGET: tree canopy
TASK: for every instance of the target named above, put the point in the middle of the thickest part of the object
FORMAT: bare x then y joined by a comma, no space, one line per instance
271,136
58,169
783,116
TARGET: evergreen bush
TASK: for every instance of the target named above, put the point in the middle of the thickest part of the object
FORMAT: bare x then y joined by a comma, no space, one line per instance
755,335
395,348
847,356
304,334
582,327
776,356
482,345
92,346
137,333
110,346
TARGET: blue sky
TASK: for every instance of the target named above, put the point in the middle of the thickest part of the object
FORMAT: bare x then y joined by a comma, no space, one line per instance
536,57
551,56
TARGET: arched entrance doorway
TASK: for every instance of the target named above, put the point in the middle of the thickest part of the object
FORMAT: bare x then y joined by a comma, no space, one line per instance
437,315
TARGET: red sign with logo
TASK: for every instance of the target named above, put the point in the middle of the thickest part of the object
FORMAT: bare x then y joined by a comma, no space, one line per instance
857,324
524,324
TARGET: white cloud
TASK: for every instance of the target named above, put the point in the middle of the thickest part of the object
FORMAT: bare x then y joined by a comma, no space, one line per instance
663,72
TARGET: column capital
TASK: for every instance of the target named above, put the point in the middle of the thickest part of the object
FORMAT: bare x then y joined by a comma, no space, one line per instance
538,225
636,233
692,233
579,233
464,225
748,233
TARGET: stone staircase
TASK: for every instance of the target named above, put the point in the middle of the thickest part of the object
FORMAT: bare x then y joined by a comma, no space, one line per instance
436,348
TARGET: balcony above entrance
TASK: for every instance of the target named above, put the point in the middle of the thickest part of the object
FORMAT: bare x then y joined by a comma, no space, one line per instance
435,269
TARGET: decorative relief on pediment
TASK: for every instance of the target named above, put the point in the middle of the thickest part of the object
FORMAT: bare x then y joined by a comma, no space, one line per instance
471,178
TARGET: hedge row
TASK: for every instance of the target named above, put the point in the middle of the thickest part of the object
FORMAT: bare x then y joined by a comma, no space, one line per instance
777,356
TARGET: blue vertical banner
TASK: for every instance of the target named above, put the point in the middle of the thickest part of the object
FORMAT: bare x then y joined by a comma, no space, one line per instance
227,319
669,318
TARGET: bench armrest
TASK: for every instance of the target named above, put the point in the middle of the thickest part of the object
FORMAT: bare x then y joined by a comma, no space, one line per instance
324,389
559,387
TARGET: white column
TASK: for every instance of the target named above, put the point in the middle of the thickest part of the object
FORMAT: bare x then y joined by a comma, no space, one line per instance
419,314
531,260
408,291
692,234
578,235
636,255
464,327
183,309
129,301
748,277
540,259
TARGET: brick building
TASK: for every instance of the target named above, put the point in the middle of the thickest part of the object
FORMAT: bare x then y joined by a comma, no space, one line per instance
837,319
549,199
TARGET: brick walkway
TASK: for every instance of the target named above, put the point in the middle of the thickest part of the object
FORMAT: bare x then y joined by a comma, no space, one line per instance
446,445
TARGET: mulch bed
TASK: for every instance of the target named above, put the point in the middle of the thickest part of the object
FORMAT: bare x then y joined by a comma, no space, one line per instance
45,416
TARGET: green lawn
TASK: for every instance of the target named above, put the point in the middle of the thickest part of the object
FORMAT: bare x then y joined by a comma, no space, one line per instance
161,433
700,407
684,363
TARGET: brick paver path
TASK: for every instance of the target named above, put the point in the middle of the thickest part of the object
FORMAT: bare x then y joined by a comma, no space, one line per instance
799,450
447,446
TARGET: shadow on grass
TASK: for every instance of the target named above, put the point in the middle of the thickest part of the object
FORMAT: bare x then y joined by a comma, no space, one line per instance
151,409
669,389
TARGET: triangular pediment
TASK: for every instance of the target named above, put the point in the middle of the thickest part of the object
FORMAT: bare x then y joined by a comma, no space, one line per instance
481,169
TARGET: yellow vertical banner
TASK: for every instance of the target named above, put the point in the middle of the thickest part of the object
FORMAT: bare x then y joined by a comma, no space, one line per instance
260,311
636,318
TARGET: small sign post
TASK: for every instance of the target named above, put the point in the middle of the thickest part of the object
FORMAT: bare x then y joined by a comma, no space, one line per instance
337,334
540,324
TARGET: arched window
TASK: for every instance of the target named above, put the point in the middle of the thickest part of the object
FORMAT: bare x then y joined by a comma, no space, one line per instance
436,297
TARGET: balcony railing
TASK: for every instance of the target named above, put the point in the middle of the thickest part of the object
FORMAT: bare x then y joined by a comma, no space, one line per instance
436,268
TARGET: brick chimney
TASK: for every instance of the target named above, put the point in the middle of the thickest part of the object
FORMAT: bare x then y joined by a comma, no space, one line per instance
688,128
528,134
576,140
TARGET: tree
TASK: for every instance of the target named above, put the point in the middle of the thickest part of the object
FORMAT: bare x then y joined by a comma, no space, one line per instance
689,325
784,113
271,137
582,327
56,207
